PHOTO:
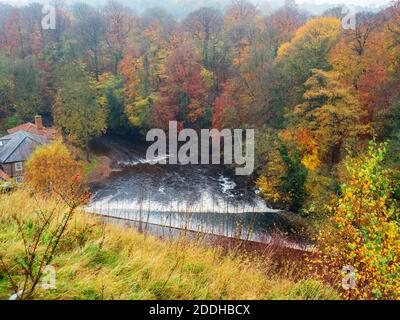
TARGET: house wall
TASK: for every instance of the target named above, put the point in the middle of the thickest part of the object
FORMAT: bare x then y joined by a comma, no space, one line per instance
9,168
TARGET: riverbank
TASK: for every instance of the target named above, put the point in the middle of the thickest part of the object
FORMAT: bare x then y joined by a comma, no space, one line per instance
102,261
99,170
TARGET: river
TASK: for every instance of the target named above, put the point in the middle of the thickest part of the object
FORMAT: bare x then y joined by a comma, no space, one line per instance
202,198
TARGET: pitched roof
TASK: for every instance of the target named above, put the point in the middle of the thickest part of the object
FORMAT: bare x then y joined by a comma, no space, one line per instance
19,146
49,133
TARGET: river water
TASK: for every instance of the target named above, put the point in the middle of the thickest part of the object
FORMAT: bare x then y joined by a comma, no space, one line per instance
192,197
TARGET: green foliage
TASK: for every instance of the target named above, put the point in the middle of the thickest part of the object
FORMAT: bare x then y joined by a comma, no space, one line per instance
394,123
12,121
138,112
293,181
27,99
111,89
6,84
78,111
283,181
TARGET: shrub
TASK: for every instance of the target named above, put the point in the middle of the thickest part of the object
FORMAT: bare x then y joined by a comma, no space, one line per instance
51,167
7,187
285,180
364,232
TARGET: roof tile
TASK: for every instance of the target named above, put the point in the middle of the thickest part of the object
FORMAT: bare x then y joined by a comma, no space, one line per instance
49,133
19,146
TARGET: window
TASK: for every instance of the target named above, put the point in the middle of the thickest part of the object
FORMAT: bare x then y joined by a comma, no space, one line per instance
18,166
19,179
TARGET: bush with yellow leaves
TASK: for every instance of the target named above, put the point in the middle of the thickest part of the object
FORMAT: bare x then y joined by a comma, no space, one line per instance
51,168
364,232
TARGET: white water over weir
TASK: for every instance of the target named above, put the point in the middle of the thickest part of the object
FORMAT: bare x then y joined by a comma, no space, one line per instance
240,222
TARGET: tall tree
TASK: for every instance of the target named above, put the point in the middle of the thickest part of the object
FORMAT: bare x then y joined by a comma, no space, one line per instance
182,94
205,25
119,22
27,88
90,29
77,110
286,21
332,113
309,49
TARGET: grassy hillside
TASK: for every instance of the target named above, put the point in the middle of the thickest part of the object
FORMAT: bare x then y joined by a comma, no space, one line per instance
97,261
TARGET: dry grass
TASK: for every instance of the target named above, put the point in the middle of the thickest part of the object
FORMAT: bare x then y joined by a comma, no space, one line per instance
97,261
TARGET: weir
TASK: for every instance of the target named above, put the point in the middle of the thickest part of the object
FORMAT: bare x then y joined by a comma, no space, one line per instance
245,226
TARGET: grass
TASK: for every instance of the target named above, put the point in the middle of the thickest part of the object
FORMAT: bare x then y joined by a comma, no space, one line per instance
92,164
98,261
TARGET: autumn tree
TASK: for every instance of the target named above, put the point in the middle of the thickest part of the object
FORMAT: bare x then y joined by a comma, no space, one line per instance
90,32
205,25
119,22
286,21
308,50
13,39
182,95
51,167
241,22
363,61
366,24
248,96
142,64
331,113
354,53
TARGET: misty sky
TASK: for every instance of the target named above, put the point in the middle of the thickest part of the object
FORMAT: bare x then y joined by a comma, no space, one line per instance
356,2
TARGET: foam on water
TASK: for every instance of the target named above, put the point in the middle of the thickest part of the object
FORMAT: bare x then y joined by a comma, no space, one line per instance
138,161
204,202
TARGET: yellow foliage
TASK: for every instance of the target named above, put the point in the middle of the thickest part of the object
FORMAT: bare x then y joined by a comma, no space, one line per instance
269,188
282,50
313,34
51,167
208,78
364,232
311,161
305,143
320,27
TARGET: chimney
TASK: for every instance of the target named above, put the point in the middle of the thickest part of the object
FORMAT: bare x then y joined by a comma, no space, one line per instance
39,122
